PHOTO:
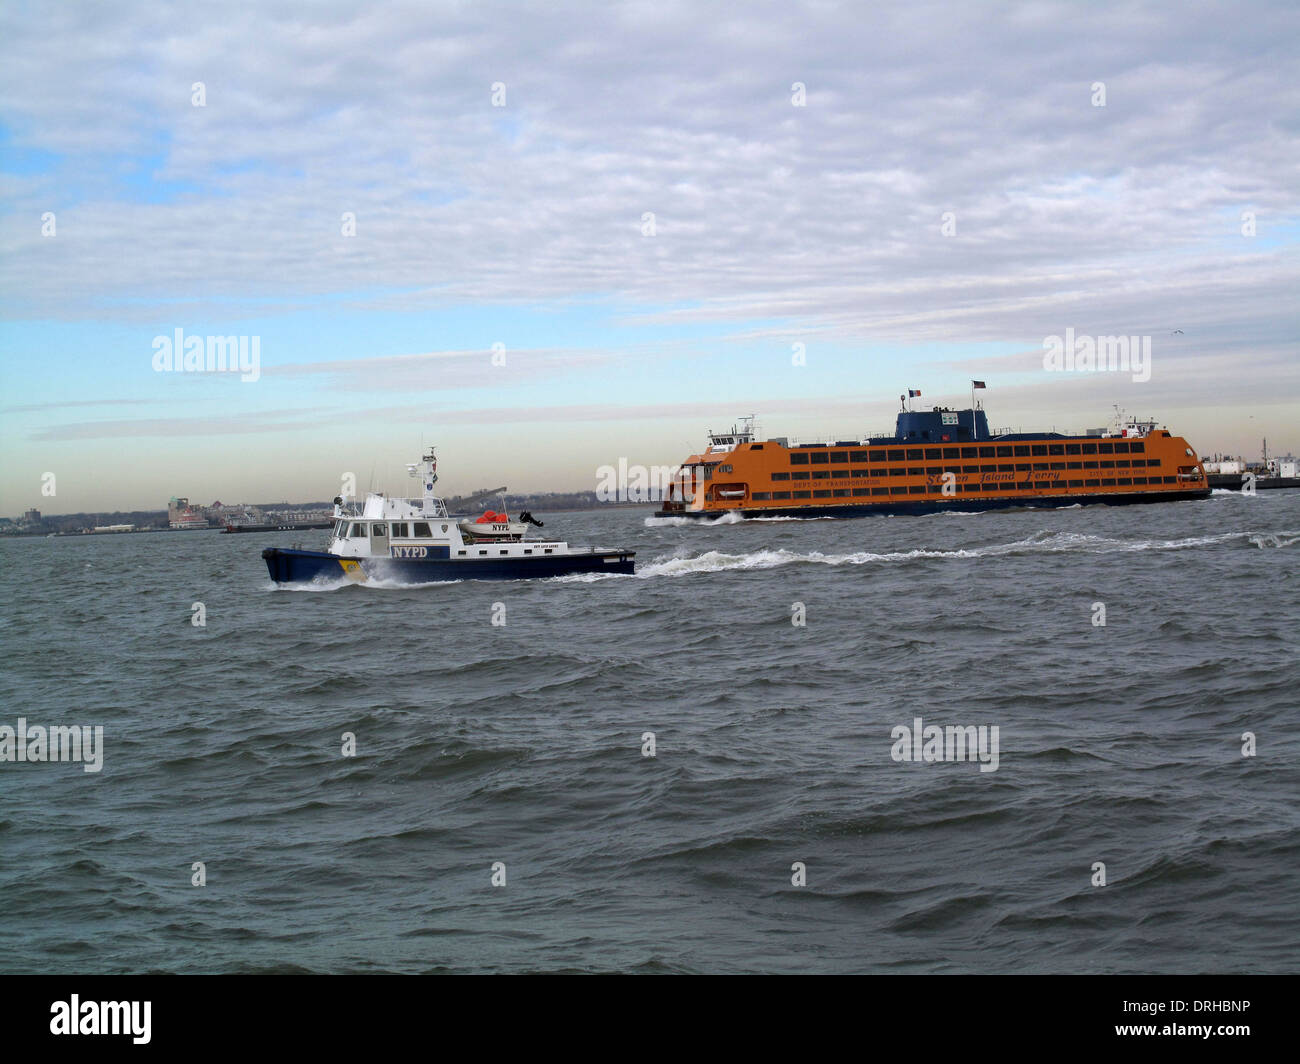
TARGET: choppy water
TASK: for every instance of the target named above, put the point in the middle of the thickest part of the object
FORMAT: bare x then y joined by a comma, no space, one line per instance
522,744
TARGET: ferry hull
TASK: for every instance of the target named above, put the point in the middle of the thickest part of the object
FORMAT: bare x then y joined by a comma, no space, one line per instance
967,503
305,566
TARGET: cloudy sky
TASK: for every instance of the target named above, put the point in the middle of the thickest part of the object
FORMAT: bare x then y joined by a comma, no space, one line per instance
643,209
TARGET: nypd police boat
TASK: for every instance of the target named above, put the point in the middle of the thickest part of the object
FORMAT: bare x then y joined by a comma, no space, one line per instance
416,541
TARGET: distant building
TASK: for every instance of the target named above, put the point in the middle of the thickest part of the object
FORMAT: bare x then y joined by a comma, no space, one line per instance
32,517
180,514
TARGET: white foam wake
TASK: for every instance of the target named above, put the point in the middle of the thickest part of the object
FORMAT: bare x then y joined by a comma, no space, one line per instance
1041,542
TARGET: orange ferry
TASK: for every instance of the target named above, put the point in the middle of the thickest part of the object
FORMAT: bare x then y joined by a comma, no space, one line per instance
939,459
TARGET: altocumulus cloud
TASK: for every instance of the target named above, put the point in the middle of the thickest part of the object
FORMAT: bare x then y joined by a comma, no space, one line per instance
1122,218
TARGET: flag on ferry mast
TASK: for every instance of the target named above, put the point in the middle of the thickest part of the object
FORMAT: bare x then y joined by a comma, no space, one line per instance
913,395
977,384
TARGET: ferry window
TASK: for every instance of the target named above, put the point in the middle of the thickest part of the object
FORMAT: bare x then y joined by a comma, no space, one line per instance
1108,483
482,552
1139,480
933,470
988,452
762,495
1076,483
820,457
1153,461
755,446
1056,448
1004,452
505,552
990,468
1123,463
970,452
1170,480
898,489
1040,465
1121,448
1137,447
708,472
858,456
780,476
1092,483
803,475
1038,449
725,469
1022,450
1058,465
378,530
840,492
917,489
915,471
1006,467
780,494
1125,480
1106,448
861,491
1023,467
933,453
879,491
839,456
821,494
1089,465
863,473
1089,448
1072,448
802,494
422,530
991,487
1107,465
970,487
875,456
358,532
1073,465
880,472
821,474
896,456
915,454
798,457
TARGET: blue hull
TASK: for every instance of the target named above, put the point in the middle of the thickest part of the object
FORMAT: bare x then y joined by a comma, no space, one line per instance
304,566
962,502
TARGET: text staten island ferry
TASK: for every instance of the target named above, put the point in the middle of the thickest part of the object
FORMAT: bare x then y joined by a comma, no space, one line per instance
415,541
936,460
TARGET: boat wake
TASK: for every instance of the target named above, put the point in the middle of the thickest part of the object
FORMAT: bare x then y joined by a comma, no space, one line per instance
731,517
1041,542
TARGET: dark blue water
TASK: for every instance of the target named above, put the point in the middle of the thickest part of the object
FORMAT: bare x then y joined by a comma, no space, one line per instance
522,744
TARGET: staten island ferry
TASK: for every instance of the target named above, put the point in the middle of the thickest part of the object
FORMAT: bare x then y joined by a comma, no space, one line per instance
416,541
939,459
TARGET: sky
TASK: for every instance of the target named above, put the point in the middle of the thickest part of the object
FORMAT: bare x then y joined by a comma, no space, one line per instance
545,237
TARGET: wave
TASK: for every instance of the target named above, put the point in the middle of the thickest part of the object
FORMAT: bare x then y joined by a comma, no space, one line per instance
1039,542
731,517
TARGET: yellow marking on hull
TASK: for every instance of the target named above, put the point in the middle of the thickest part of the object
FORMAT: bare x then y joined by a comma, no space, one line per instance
352,569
